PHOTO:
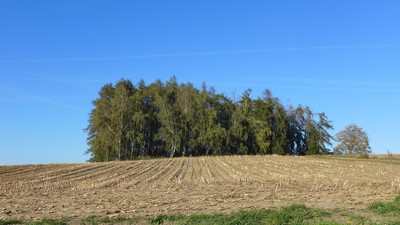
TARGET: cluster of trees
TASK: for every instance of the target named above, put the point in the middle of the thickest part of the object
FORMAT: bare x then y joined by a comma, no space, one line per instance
171,119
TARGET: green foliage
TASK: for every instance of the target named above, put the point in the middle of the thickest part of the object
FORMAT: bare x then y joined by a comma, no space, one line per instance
328,223
243,217
250,217
9,222
46,221
160,219
118,220
355,219
363,156
171,119
295,214
392,208
93,220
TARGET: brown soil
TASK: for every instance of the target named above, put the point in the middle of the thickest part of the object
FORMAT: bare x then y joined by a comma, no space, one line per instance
192,185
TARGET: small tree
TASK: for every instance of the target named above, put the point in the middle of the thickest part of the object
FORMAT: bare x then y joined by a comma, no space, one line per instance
352,140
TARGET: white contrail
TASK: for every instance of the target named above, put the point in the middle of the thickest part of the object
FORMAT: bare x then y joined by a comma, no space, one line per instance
64,80
39,98
200,53
350,89
331,81
309,86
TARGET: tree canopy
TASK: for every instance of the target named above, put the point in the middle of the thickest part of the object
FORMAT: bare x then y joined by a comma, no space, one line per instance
352,140
171,119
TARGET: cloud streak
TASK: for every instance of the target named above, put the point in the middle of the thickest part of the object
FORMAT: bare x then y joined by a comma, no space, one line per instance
317,85
246,51
334,82
19,93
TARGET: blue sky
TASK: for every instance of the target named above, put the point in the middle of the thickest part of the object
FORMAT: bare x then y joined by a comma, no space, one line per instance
338,57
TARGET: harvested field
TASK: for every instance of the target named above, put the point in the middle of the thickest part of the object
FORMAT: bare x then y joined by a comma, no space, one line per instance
192,185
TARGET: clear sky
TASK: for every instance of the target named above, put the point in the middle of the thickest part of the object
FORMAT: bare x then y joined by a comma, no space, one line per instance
340,57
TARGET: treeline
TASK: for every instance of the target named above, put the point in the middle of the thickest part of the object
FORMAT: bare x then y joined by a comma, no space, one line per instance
171,119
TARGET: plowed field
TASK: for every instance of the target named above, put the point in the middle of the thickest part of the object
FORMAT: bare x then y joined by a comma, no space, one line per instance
192,185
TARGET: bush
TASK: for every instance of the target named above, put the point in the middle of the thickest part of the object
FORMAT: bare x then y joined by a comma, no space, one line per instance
363,156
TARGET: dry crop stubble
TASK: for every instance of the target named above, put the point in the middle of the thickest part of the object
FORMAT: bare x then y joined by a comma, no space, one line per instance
192,185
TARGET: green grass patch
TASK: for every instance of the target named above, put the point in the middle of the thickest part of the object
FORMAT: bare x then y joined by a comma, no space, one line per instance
359,220
377,213
46,221
384,208
294,214
243,217
9,222
92,220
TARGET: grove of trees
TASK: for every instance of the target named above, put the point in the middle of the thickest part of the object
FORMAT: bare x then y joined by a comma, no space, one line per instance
170,119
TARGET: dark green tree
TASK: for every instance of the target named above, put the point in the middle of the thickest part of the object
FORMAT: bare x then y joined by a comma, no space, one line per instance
242,128
281,127
264,123
100,138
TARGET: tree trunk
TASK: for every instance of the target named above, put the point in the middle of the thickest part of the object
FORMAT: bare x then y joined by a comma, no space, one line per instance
133,147
119,150
173,149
